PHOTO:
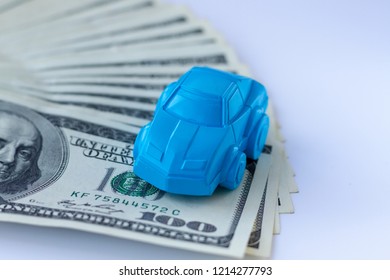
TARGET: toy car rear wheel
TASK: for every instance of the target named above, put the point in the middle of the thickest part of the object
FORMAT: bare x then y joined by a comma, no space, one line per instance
235,172
258,137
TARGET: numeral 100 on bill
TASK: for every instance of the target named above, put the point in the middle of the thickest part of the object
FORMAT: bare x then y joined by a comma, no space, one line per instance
177,222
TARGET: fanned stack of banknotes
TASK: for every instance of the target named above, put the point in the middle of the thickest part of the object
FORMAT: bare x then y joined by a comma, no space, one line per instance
77,81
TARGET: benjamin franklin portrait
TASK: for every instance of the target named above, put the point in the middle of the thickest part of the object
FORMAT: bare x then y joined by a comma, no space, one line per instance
20,148
33,152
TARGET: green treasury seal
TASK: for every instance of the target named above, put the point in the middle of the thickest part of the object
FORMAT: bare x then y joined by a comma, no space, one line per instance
130,184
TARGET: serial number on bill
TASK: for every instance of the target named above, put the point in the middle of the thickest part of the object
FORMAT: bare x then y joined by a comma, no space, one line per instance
242,270
123,201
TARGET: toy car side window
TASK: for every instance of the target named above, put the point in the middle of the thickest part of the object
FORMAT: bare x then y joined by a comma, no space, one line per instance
235,104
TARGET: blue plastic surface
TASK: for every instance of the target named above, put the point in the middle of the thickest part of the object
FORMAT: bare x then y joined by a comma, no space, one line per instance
205,126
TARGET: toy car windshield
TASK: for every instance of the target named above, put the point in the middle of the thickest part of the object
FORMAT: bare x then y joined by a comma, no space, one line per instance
204,109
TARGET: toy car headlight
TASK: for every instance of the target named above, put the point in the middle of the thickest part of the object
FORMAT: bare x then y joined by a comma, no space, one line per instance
194,165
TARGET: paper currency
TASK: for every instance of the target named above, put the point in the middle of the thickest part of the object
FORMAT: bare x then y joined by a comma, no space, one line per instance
77,81
69,172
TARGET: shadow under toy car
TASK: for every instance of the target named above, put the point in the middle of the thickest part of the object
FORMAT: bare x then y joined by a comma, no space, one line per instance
205,126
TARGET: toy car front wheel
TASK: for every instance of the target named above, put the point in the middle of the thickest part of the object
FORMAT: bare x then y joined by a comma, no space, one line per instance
235,172
258,137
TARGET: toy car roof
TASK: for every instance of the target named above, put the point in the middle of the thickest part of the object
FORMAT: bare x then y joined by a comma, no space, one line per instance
211,81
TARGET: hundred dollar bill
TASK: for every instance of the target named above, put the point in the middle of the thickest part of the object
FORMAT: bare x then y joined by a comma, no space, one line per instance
260,241
203,55
170,42
34,12
172,72
66,31
285,200
65,169
130,124
42,12
164,36
277,221
291,175
6,5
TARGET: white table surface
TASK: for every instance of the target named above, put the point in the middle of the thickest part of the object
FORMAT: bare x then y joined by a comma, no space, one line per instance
326,65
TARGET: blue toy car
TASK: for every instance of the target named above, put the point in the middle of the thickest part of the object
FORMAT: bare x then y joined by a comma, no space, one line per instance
205,126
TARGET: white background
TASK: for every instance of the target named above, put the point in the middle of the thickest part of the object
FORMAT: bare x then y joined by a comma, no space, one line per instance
326,65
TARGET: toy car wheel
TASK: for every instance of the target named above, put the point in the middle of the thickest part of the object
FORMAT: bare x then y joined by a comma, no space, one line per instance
235,172
258,137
